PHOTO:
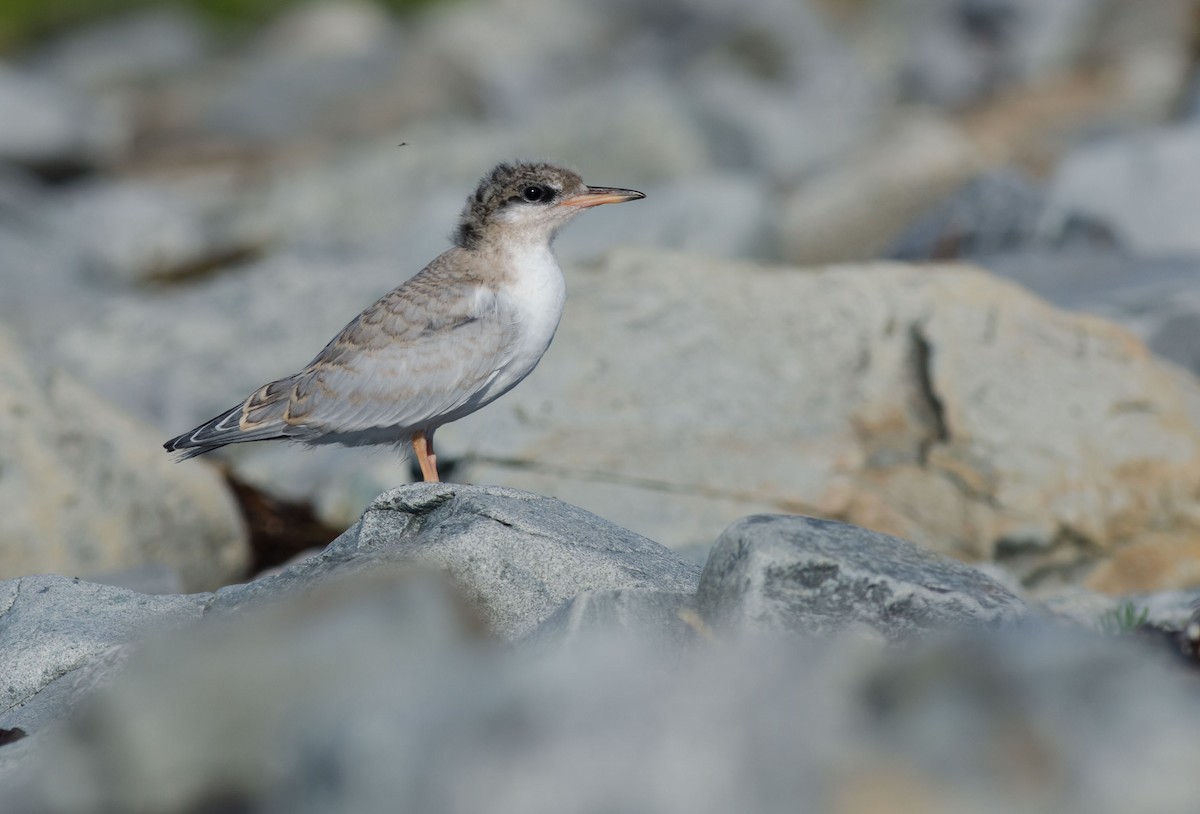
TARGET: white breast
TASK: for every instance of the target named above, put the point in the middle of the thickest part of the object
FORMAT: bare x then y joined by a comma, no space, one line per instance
535,301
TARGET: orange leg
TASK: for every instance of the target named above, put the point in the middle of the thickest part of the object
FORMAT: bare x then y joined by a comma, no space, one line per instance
423,446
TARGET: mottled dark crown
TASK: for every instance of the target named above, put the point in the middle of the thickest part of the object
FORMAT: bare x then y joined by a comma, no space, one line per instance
502,186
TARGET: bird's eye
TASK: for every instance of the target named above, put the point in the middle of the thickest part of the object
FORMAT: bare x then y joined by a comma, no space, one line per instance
534,193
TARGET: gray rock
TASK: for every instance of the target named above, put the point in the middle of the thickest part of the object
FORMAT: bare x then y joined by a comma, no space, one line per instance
516,556
724,389
820,406
513,559
143,45
726,215
84,488
658,618
408,198
48,128
1158,300
277,97
1139,184
1078,702
147,578
60,638
997,213
856,208
777,88
1171,610
649,132
963,51
376,695
806,576
312,75
409,613
41,276
130,232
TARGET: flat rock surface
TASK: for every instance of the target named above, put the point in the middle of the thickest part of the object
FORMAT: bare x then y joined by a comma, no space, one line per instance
806,576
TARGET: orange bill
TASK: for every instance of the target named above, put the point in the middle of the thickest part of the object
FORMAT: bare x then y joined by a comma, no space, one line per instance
602,195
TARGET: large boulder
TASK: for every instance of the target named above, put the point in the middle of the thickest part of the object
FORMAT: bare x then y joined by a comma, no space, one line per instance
937,404
86,489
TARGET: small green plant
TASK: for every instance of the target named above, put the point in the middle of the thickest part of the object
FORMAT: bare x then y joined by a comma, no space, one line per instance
1124,618
23,22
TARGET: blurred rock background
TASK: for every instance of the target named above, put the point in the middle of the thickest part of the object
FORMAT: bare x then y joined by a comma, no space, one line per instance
195,196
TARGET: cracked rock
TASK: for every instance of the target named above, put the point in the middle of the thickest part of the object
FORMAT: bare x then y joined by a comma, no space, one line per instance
724,389
935,403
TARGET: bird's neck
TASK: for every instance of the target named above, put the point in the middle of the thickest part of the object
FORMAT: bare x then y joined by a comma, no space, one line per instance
530,259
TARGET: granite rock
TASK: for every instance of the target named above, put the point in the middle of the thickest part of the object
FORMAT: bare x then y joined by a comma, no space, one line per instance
515,556
658,618
510,560
62,637
805,576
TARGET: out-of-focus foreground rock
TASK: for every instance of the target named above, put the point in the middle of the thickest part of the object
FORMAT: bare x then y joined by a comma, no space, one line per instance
360,678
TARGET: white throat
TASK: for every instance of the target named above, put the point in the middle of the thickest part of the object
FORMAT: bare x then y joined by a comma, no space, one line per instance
538,288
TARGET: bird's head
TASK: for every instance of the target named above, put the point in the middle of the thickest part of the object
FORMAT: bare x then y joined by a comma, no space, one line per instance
528,203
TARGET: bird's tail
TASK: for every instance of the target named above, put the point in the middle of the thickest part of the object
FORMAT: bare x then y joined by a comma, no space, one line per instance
258,418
